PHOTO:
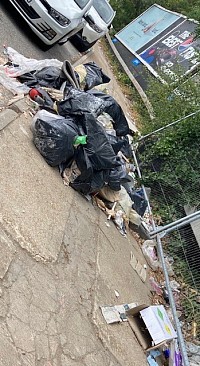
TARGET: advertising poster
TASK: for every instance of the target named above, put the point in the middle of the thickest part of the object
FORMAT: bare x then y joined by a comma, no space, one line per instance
146,27
176,52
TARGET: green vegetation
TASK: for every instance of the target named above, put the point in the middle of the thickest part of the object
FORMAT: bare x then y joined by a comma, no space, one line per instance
127,10
170,160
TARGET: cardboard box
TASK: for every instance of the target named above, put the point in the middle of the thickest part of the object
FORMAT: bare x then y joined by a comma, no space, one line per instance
151,325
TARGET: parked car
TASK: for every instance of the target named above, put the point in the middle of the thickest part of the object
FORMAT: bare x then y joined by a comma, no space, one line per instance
98,20
53,20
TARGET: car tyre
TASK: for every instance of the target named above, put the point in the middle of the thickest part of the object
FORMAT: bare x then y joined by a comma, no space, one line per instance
80,44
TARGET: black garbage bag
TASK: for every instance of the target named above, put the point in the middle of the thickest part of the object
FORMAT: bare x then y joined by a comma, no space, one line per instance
94,76
49,77
82,183
92,186
80,102
137,196
126,147
54,137
29,79
139,203
91,181
84,164
98,148
118,143
114,110
117,176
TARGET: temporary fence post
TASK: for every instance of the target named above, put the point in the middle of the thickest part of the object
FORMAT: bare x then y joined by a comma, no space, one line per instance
167,281
169,125
172,304
176,224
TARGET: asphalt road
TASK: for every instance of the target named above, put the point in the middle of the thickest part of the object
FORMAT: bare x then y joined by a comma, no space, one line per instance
14,32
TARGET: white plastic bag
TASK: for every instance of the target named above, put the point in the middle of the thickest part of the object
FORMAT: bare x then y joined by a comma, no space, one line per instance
26,64
125,201
12,84
149,251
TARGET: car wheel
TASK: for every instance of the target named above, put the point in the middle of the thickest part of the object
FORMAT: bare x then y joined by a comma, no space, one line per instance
80,44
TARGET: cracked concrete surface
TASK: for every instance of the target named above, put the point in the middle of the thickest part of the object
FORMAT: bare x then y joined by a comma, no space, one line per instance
59,263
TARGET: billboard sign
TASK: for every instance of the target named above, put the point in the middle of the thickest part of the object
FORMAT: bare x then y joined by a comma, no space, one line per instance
176,52
146,27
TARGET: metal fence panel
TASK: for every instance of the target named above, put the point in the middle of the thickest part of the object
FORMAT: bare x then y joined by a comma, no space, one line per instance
175,193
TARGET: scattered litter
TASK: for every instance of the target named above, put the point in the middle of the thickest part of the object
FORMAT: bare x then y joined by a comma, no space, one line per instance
193,351
157,357
151,325
138,267
155,287
116,313
109,195
70,174
169,264
110,314
20,64
151,361
116,293
150,253
120,223
175,286
175,358
16,99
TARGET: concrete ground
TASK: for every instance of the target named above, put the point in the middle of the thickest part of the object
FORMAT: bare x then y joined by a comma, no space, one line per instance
59,263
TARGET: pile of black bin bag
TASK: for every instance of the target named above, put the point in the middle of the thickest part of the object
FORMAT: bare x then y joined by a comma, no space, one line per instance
76,115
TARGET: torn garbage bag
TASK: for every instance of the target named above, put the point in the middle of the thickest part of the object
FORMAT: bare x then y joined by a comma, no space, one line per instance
21,64
54,137
48,77
91,75
70,75
79,102
52,77
114,110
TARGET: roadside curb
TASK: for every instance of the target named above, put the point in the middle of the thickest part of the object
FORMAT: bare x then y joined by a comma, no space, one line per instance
13,111
6,117
83,58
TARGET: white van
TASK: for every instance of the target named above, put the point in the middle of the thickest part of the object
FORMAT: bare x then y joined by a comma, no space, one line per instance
98,20
53,20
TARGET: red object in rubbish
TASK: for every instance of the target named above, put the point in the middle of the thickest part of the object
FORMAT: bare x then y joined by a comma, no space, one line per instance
33,93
